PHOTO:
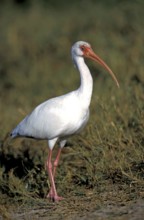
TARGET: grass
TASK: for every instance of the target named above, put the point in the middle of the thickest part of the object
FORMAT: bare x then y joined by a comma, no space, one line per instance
105,163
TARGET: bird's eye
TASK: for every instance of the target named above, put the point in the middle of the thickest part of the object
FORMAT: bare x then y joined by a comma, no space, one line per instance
82,48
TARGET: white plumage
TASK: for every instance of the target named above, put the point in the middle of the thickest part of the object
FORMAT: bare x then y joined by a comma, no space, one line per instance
58,118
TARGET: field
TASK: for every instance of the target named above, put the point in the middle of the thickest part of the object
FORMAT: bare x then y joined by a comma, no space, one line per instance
101,172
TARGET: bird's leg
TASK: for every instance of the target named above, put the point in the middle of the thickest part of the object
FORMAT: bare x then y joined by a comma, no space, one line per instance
49,169
56,161
62,144
53,193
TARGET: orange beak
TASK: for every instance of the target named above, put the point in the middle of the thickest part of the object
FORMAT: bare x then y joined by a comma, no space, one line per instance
90,54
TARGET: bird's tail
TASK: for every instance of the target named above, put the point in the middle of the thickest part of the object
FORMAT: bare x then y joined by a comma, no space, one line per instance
15,132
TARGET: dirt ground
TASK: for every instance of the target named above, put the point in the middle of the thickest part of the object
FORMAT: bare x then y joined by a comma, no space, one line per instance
72,209
135,211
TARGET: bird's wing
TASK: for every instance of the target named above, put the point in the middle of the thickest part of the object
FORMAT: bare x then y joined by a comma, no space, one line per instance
51,119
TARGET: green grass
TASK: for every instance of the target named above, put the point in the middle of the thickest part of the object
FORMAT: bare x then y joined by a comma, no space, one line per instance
35,64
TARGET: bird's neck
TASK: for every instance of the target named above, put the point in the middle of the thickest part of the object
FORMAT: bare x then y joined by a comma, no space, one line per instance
86,87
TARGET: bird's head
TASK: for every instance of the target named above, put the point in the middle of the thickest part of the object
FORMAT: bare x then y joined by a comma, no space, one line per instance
83,49
80,48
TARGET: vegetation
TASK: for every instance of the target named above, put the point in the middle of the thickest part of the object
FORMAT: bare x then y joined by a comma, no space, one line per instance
105,163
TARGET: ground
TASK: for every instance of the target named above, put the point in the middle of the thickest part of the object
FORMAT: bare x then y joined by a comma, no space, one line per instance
80,209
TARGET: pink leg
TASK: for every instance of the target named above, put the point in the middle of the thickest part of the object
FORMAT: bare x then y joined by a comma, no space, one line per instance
56,161
53,193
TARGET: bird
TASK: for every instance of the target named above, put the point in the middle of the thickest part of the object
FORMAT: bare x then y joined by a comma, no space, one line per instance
58,118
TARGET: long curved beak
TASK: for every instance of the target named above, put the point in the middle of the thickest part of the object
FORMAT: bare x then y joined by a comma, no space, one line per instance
90,54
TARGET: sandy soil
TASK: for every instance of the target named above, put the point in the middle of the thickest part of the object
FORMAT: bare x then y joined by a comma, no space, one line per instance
131,211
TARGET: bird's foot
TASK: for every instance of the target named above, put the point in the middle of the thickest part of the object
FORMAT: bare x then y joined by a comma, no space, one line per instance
57,198
54,198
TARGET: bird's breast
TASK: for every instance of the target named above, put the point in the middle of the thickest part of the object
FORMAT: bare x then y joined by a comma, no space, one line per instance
69,117
75,121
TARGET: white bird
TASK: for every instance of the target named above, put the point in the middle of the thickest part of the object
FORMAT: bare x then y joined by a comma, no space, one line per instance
58,118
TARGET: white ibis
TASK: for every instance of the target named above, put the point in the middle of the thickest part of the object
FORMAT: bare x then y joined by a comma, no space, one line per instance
58,118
